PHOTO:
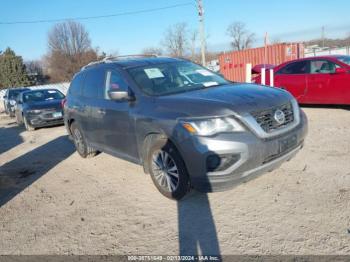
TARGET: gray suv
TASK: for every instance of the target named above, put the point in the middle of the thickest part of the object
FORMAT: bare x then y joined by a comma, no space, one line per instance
187,126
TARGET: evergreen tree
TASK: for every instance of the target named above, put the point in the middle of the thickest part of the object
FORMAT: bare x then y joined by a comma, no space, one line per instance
12,70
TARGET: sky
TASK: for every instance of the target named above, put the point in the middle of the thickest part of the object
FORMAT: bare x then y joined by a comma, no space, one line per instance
292,20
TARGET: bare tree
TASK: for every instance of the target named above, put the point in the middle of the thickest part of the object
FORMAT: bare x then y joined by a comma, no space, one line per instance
69,49
69,38
176,40
152,51
241,38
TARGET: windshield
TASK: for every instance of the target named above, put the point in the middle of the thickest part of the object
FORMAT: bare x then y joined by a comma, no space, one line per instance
344,59
176,77
42,95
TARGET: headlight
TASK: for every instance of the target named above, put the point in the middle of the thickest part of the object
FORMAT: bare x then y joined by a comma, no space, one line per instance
35,111
12,102
208,127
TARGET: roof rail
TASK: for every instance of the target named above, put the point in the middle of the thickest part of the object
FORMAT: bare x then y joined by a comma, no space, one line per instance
109,59
91,63
129,56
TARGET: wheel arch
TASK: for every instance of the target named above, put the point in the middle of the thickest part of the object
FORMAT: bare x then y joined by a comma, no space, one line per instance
69,125
147,143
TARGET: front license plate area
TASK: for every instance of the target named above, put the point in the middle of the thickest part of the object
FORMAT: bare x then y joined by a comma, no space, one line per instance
287,143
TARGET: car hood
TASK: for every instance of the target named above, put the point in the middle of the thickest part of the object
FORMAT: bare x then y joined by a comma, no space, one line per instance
49,104
240,98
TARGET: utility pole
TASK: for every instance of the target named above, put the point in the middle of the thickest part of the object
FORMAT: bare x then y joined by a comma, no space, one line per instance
201,31
323,36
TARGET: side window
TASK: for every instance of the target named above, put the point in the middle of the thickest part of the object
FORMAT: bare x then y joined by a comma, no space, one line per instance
322,67
93,83
76,84
295,68
114,82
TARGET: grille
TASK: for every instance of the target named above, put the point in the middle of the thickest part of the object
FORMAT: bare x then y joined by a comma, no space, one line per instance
266,120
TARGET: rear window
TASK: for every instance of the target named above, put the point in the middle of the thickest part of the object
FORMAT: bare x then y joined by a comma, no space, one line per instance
76,84
94,82
42,95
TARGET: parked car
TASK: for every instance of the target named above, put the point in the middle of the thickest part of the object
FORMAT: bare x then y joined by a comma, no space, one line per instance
10,99
315,80
39,108
186,125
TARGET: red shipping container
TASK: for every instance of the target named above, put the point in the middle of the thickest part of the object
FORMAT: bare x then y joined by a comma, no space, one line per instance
232,64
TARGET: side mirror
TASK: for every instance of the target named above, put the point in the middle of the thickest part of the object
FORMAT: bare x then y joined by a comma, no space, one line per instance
340,70
119,95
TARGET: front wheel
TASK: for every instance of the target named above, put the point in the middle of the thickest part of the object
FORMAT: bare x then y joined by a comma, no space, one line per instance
27,125
167,169
80,143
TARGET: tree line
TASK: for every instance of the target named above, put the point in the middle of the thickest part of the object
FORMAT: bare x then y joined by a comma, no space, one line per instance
69,48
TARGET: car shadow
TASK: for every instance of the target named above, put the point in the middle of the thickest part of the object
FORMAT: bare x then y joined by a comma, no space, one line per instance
196,226
197,230
10,136
21,172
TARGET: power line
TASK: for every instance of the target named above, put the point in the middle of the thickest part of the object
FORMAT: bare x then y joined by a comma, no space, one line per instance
96,17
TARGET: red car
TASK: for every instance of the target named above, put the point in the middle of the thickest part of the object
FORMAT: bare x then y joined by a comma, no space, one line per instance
314,80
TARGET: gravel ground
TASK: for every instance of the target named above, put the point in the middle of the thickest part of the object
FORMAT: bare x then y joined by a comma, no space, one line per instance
54,202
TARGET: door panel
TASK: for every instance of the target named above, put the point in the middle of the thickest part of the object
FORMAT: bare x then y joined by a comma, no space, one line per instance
324,85
292,77
113,125
117,128
339,87
91,98
318,91
295,84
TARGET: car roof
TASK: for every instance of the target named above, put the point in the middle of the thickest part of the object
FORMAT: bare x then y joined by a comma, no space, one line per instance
130,62
335,57
318,57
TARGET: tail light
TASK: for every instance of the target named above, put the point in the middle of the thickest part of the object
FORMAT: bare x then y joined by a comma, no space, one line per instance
63,102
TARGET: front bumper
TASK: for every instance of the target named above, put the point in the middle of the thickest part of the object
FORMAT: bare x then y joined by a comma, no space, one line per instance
45,119
253,156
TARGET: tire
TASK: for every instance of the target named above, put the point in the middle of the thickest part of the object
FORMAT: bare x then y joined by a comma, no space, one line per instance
27,125
167,169
81,145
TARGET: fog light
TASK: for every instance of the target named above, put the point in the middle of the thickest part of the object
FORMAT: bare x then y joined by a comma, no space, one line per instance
221,162
213,161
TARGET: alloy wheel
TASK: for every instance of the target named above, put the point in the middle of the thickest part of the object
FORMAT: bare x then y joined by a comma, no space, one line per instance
165,171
